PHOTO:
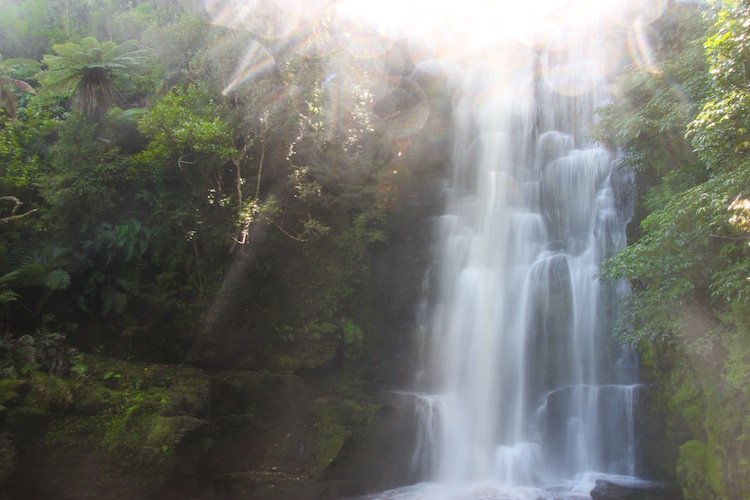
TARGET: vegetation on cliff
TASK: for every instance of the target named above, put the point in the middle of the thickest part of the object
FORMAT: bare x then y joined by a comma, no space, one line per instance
682,122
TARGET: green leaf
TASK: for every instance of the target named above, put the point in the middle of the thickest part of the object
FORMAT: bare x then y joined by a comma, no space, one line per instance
58,279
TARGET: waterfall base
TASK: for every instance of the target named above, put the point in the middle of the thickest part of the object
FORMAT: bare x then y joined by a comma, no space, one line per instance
477,491
626,488
586,486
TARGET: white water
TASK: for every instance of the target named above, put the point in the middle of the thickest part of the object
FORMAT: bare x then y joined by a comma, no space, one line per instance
525,395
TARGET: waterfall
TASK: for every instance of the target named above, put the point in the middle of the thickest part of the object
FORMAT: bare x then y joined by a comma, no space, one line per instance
521,391
522,384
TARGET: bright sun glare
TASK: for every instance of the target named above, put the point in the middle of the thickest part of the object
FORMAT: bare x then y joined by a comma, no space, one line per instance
453,34
458,21
457,26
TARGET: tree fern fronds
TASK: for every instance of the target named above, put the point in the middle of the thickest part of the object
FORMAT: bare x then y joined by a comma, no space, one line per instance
92,68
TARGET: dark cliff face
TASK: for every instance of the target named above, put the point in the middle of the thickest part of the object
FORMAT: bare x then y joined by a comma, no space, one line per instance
694,421
328,424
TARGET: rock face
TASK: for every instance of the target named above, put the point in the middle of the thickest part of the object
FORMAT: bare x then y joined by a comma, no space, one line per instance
286,437
153,431
112,430
8,459
632,489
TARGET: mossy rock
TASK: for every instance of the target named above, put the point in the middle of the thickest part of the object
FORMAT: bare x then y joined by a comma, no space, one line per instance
700,471
114,430
689,403
337,421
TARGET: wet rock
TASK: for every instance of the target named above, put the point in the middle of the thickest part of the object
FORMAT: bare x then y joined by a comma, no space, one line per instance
634,489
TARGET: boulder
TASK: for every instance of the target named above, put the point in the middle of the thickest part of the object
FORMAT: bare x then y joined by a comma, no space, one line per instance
634,489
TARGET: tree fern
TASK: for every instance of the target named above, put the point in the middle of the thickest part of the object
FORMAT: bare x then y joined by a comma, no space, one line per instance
92,69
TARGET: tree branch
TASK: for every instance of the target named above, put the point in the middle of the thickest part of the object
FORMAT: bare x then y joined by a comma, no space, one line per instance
12,218
730,238
16,204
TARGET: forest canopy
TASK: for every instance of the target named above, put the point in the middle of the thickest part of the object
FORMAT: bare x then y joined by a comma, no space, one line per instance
145,145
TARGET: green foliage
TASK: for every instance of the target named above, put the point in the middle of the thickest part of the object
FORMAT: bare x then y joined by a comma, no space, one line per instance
25,142
11,72
184,124
46,350
83,183
354,339
112,21
117,252
651,108
27,265
690,266
95,71
689,251
29,27
722,130
173,47
146,207
366,230
694,245
120,244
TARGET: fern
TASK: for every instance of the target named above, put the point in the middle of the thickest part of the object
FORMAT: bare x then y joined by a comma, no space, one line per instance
91,68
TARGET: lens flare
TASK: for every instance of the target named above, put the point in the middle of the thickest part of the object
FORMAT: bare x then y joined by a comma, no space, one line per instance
639,46
576,70
268,19
257,61
447,38
626,13
403,105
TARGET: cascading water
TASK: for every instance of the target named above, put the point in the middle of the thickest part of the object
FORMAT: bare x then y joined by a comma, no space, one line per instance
523,389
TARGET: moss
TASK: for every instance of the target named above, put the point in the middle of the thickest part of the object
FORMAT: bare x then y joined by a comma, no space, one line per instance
647,356
285,364
127,420
74,433
687,401
49,393
700,472
706,415
147,439
737,372
337,421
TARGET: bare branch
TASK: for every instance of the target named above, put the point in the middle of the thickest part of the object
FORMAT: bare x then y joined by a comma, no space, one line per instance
12,218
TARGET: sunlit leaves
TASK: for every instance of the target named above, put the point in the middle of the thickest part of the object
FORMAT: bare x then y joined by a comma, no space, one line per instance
722,130
650,109
694,243
185,123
